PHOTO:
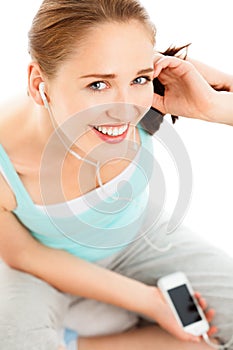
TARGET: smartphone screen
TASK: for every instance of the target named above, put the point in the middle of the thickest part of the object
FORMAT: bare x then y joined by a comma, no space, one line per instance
184,305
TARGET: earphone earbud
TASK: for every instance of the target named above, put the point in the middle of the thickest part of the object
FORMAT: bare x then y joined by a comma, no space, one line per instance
42,95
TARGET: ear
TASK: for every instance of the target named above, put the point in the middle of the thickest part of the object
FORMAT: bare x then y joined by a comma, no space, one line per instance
35,77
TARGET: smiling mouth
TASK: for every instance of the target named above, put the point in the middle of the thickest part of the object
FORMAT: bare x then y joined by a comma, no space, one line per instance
112,133
112,130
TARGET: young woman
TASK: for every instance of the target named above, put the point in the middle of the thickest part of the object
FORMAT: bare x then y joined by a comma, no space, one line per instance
66,257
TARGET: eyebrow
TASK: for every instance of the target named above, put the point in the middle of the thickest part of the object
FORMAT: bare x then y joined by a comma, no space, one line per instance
113,76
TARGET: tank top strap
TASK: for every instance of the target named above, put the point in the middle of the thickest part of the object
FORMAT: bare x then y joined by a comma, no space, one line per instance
12,178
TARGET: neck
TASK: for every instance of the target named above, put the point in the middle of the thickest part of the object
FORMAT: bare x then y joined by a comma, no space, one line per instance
42,123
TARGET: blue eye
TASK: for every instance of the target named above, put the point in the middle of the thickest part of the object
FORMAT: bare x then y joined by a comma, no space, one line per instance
101,86
142,80
96,86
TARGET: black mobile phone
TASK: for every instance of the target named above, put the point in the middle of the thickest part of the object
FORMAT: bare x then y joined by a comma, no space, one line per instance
153,118
160,89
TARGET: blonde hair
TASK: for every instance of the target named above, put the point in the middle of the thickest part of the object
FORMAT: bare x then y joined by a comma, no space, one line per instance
60,25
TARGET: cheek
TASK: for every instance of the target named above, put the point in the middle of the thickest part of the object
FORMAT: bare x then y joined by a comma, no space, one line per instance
150,97
145,99
64,101
64,108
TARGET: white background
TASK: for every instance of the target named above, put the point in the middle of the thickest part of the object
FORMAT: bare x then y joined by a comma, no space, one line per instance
208,26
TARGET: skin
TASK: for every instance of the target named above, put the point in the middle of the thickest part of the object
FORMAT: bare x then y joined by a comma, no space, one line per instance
68,94
188,93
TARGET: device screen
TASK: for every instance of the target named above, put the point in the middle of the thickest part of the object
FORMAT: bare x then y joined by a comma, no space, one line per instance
184,305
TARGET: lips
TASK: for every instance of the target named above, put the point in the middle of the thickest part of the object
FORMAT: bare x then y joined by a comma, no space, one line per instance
111,129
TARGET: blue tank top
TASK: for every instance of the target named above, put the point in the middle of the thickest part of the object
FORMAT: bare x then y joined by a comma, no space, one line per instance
95,225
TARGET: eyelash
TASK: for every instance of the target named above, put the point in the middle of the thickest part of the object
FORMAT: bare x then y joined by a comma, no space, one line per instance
100,81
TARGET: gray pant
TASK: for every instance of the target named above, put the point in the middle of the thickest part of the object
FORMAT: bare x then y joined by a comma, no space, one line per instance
32,311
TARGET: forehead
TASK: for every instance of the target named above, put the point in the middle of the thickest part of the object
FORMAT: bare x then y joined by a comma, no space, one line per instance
114,44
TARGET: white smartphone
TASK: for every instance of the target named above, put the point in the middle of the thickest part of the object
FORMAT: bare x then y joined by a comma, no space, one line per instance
178,292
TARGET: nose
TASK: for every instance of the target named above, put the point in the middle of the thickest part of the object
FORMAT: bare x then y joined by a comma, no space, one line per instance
123,108
122,112
121,95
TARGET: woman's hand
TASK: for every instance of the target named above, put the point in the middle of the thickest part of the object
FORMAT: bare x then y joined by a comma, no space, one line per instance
164,316
187,93
209,313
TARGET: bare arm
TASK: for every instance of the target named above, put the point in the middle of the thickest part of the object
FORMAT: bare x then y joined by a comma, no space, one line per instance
215,77
67,272
221,110
73,275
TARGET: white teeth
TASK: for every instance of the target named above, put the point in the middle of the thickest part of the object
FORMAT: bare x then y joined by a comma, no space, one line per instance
112,131
109,131
115,132
122,129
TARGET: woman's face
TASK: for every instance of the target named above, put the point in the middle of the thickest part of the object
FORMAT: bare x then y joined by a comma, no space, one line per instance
106,83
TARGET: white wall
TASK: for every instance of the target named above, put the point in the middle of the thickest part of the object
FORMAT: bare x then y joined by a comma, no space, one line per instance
208,25
15,20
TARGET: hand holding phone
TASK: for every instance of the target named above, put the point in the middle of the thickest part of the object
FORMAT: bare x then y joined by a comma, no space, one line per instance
179,294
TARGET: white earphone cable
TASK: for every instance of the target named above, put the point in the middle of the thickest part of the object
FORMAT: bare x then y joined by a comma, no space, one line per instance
217,346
